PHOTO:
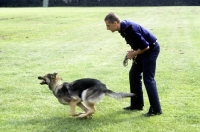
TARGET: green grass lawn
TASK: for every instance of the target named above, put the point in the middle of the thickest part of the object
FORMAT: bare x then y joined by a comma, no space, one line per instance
75,43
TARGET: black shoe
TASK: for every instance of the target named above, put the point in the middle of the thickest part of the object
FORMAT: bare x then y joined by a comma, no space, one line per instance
149,114
133,108
152,112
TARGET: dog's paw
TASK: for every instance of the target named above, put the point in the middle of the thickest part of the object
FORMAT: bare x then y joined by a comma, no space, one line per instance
75,115
89,116
80,114
85,116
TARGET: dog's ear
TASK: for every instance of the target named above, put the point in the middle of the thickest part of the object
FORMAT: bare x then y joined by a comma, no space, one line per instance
54,75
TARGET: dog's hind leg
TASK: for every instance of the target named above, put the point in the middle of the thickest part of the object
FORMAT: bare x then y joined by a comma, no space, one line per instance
91,110
82,107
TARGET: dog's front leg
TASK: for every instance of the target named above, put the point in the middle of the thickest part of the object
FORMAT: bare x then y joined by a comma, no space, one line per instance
72,108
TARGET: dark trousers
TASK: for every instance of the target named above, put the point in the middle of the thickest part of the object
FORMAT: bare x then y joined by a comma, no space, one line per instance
145,67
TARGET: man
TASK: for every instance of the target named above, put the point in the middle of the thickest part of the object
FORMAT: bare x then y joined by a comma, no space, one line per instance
145,48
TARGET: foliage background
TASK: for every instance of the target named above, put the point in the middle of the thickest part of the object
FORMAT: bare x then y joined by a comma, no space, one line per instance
39,3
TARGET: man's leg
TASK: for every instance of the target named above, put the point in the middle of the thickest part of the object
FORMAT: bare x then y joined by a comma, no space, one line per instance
135,80
149,68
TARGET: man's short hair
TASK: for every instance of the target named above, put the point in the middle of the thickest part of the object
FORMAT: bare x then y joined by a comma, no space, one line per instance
112,17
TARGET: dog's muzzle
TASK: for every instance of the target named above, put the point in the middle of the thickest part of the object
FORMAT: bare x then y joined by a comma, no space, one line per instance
43,80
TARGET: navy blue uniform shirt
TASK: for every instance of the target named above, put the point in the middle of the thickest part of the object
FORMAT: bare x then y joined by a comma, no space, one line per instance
135,35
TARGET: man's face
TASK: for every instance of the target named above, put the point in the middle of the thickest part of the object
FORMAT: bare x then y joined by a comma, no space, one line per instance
112,26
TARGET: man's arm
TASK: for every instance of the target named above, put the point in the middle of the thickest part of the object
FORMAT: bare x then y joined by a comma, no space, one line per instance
131,54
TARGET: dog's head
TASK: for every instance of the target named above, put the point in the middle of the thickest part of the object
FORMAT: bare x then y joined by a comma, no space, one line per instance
49,79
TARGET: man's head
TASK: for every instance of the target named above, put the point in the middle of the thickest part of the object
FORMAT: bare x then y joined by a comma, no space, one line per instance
112,22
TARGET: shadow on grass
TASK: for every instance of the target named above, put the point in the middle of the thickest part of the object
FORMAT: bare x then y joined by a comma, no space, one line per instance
75,124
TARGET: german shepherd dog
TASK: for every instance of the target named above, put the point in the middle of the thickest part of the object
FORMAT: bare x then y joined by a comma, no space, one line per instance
87,90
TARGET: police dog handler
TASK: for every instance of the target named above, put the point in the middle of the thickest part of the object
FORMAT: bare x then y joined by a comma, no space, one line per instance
145,50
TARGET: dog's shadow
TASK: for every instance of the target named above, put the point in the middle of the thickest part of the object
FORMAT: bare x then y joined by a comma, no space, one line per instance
75,124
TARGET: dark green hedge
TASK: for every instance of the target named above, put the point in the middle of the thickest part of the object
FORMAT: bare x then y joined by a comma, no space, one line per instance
20,3
39,3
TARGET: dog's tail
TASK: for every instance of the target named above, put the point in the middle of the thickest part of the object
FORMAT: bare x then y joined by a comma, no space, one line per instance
119,95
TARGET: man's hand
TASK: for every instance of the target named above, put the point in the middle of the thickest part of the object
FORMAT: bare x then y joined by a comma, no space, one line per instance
131,54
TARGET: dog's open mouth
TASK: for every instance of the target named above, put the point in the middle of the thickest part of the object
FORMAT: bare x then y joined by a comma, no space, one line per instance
43,80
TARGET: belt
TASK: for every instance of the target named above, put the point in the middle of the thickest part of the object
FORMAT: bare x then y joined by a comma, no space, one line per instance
155,42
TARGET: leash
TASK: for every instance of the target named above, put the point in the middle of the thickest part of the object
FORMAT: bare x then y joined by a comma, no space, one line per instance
125,62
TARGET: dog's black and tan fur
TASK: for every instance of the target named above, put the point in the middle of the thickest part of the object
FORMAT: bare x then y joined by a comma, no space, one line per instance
87,90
